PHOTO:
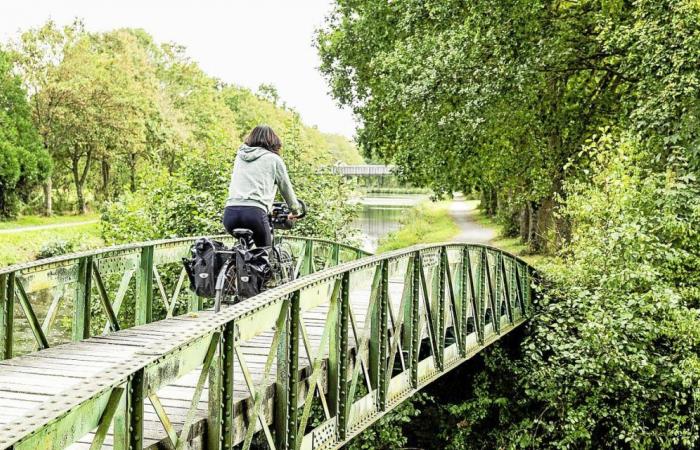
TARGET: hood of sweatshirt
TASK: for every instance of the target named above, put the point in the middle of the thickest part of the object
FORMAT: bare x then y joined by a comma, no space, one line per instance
249,154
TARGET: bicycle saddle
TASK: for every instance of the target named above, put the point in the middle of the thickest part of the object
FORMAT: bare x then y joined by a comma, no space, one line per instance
243,233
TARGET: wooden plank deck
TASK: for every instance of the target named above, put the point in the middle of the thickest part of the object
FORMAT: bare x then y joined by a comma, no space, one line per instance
29,383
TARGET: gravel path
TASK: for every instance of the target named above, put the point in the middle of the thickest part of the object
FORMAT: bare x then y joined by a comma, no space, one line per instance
464,214
47,227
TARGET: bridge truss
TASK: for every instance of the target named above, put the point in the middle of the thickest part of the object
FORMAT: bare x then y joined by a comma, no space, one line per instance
308,365
363,170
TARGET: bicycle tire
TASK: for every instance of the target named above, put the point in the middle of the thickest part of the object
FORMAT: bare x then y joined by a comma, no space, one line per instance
225,285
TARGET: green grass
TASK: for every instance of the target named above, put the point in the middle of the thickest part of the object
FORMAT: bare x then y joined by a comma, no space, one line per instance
428,222
32,221
23,246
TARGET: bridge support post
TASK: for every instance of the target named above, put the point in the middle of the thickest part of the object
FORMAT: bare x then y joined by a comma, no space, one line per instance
485,303
144,287
440,318
308,265
507,282
282,383
464,302
383,316
407,320
194,303
287,387
335,255
7,312
338,364
220,422
415,320
494,295
499,281
474,298
81,310
377,357
128,422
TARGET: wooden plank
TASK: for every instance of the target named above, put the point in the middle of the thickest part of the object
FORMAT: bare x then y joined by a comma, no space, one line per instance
37,360
30,389
177,396
39,380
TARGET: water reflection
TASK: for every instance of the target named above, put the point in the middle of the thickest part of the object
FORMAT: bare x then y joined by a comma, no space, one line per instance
380,215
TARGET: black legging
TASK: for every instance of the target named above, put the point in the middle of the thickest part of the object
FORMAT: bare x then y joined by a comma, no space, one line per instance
252,218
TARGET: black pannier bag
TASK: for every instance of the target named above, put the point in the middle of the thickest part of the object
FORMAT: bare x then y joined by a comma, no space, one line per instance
203,266
253,271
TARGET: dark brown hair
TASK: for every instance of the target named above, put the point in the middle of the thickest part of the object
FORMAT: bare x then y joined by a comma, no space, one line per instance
263,136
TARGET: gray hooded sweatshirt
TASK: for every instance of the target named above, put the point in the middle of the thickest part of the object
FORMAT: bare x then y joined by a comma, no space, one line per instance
256,175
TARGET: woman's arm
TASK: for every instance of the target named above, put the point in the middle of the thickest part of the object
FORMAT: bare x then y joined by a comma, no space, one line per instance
285,185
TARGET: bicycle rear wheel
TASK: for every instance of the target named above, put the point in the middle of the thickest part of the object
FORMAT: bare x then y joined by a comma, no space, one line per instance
226,289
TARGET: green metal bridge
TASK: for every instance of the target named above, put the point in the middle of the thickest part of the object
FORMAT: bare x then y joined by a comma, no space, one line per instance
106,349
362,170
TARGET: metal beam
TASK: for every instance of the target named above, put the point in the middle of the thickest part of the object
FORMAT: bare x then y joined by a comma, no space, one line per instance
212,342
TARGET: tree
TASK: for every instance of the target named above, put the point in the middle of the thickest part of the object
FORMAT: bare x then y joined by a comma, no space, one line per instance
500,96
189,202
578,123
35,54
92,96
269,93
24,164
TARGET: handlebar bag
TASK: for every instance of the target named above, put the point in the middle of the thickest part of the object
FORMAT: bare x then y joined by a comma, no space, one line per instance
253,270
203,266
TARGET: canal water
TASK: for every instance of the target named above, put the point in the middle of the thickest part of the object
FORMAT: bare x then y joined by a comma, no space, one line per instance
380,215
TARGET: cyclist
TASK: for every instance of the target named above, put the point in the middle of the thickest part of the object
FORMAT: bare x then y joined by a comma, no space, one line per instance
257,173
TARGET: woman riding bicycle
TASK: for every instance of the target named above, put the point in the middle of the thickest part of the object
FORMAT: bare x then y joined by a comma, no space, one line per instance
257,173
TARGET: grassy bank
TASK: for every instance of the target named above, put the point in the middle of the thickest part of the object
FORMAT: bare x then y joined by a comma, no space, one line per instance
24,245
428,222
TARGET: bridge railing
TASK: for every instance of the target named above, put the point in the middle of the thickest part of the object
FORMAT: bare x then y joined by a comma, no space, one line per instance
362,170
345,345
72,297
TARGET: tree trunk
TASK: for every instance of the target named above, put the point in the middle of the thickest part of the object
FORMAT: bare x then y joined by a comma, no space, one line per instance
48,197
82,205
105,178
531,222
541,216
3,203
493,206
525,222
132,174
562,224
79,180
489,200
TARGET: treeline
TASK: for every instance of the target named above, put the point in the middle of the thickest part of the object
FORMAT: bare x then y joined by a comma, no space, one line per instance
87,117
578,124
501,97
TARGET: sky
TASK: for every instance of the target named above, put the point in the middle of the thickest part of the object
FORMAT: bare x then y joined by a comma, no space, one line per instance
242,42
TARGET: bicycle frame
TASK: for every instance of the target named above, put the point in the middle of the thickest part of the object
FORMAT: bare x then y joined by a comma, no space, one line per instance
223,272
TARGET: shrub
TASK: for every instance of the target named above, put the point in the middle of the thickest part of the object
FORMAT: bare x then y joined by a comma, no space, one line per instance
56,247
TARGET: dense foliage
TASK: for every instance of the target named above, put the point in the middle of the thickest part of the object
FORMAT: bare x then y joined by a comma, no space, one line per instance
190,201
23,161
500,96
578,124
119,113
